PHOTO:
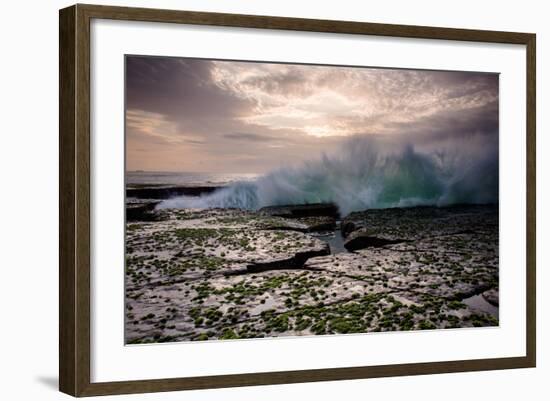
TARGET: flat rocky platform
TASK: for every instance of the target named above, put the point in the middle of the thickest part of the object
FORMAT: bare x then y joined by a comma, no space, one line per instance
227,273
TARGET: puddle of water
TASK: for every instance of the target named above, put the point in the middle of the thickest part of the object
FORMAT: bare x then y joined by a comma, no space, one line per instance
334,240
479,303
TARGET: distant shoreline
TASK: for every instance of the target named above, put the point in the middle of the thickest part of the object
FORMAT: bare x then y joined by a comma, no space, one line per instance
166,191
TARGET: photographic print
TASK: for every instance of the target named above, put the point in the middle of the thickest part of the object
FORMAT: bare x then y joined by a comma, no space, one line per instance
271,199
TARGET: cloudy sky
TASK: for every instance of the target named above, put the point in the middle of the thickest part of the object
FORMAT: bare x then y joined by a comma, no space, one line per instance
242,117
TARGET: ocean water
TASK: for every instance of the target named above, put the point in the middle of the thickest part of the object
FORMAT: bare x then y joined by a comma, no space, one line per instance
185,178
365,174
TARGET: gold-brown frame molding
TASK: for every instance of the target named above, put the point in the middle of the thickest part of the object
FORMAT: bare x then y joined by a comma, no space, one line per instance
74,199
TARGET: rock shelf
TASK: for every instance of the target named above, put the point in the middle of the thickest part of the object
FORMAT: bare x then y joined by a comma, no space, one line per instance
227,273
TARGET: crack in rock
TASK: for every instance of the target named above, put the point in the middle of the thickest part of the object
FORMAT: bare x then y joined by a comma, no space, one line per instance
361,239
295,262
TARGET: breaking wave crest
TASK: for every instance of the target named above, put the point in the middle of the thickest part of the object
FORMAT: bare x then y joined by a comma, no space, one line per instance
372,172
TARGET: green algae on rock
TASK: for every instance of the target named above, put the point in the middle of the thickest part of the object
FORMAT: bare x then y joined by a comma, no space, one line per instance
219,274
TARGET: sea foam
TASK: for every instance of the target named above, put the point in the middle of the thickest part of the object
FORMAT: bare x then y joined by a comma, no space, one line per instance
372,172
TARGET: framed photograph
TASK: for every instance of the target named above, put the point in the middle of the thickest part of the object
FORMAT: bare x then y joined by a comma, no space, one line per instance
250,200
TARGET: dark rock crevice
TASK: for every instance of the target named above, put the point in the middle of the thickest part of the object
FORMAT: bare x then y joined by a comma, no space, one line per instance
361,240
477,290
295,262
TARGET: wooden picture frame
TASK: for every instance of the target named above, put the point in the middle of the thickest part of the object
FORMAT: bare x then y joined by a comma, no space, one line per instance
74,203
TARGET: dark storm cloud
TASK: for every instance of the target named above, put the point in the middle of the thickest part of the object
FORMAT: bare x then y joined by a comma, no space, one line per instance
178,87
183,92
469,122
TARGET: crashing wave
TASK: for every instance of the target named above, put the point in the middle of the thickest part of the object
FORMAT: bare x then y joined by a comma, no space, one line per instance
371,172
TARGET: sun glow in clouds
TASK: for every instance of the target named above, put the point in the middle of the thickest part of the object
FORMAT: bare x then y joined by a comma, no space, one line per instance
229,116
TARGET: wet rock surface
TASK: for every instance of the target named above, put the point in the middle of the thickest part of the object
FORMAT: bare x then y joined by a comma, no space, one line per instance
142,210
227,273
